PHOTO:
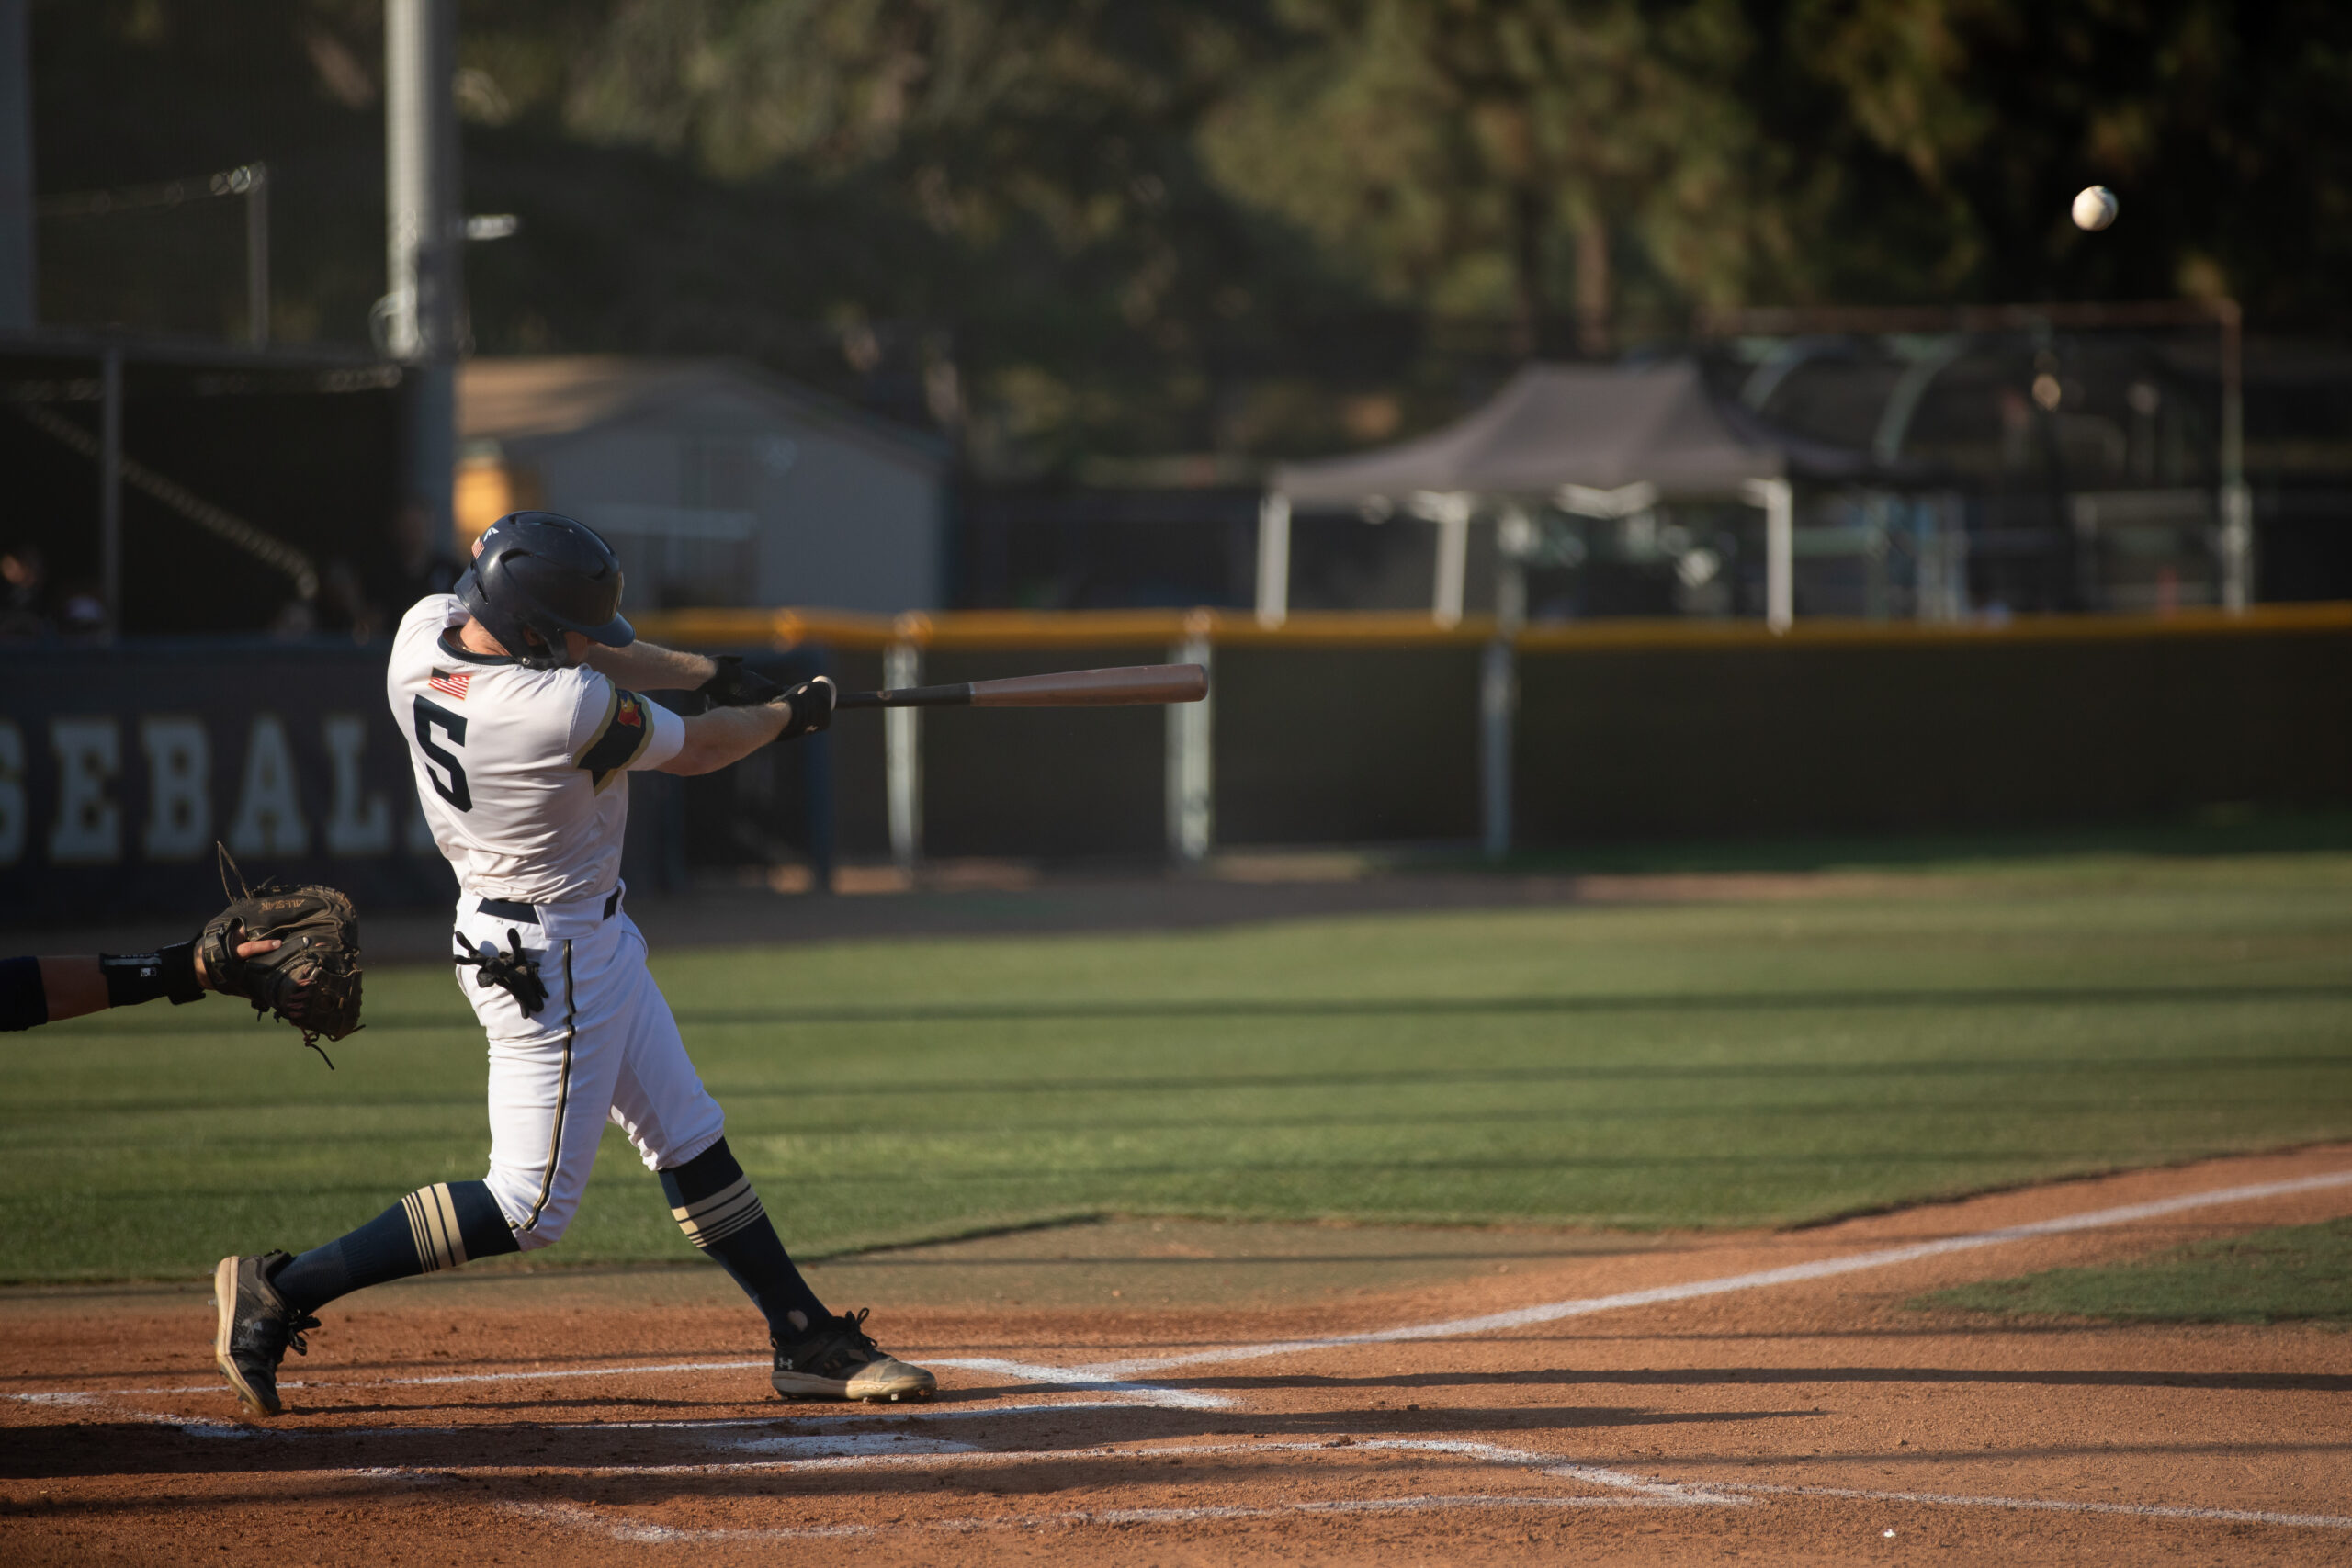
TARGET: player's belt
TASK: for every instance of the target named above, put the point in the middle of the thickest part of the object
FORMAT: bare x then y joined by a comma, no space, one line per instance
507,909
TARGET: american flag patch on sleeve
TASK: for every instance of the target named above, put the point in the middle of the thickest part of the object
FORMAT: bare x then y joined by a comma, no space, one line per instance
452,682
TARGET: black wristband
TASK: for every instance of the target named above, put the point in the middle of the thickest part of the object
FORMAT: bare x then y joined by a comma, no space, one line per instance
180,983
135,978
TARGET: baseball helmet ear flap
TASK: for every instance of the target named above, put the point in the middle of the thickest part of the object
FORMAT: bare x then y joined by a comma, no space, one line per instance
541,574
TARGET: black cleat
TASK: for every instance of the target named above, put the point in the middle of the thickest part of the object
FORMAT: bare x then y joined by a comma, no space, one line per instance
837,1360
256,1329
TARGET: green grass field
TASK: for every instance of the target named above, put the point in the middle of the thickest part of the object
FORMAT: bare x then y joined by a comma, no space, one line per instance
2291,1274
1637,1066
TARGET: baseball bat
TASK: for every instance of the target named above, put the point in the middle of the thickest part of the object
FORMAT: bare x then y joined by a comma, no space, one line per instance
1128,685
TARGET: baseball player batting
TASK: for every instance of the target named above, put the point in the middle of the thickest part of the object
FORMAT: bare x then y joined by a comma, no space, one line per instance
517,695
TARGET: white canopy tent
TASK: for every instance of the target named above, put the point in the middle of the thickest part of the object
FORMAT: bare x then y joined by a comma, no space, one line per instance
1595,438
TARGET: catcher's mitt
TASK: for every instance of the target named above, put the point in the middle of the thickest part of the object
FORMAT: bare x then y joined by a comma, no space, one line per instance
312,979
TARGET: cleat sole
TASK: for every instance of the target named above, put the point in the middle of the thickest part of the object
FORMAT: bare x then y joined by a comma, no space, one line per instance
224,1293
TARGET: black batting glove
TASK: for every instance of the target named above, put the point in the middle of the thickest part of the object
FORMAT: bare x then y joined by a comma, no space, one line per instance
735,687
812,707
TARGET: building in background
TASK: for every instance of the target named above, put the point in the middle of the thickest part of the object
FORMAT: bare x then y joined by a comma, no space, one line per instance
717,484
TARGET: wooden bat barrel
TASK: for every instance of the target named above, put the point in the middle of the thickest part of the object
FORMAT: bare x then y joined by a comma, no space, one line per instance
1125,685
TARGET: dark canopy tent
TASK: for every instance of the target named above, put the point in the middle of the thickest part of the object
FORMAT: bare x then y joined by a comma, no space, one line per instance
1594,426
1571,434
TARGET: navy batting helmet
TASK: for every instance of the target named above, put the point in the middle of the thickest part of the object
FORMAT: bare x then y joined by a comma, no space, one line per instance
538,575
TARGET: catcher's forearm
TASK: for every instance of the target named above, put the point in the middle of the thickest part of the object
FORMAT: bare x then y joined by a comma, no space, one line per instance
73,985
82,983
647,667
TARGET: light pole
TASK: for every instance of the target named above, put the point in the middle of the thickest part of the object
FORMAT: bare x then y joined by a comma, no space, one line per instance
16,310
422,238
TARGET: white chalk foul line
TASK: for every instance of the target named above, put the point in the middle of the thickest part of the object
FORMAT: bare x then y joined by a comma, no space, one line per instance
879,1451
1116,1378
1618,1489
1112,1377
1114,1374
806,1454
2059,1505
1081,1379
647,1534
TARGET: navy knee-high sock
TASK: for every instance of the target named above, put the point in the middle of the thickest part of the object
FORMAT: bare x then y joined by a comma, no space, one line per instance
713,1203
434,1227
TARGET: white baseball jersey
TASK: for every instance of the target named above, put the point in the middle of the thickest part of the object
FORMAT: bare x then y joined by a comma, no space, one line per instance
523,772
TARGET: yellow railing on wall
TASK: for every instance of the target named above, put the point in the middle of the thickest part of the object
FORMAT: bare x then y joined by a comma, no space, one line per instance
791,627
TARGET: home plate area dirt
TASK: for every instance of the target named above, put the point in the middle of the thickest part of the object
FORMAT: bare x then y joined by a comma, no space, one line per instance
1310,1394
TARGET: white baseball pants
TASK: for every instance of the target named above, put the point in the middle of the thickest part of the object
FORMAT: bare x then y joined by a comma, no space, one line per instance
604,1047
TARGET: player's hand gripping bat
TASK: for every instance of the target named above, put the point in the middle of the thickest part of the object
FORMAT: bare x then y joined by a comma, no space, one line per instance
1128,685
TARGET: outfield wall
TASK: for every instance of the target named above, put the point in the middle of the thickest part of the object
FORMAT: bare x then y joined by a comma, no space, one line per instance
1869,737
1355,730
120,766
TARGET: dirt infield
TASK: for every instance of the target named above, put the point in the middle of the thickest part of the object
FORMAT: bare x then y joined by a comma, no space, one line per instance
1512,1396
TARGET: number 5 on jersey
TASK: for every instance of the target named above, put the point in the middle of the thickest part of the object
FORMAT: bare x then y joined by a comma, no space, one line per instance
430,717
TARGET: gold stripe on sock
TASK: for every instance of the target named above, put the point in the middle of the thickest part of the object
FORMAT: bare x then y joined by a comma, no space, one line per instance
414,1211
715,1227
444,1205
721,1214
707,1214
433,1226
712,1234
716,1201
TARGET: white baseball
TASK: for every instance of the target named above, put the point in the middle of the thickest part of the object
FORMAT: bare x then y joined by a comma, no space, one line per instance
2095,207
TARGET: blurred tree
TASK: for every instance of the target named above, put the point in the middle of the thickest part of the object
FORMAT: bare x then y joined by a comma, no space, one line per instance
1134,226
1047,151
1483,156
1958,130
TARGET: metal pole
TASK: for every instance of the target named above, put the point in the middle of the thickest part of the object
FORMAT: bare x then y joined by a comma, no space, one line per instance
1452,559
17,306
421,235
1498,684
1274,560
1943,559
1191,781
257,254
902,756
1779,502
1498,699
110,486
2237,500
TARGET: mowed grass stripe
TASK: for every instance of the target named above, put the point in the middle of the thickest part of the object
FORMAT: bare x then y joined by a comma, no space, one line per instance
1720,1065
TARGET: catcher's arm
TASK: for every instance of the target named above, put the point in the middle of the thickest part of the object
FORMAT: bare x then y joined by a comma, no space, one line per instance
45,989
